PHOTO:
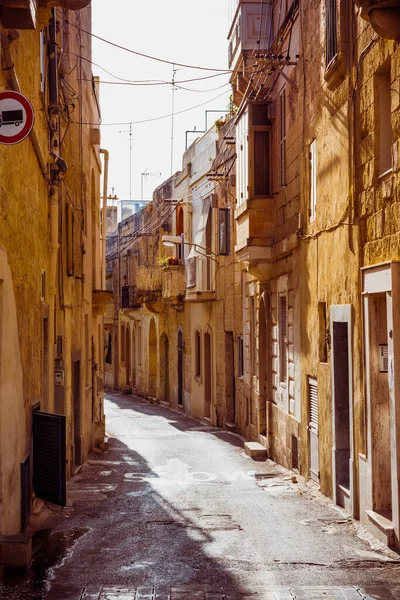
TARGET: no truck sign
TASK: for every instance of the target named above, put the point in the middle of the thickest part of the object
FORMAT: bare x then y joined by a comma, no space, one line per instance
16,117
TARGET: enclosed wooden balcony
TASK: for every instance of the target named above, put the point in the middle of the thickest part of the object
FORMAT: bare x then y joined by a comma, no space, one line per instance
255,209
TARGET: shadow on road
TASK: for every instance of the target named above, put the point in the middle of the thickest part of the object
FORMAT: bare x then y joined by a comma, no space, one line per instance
118,529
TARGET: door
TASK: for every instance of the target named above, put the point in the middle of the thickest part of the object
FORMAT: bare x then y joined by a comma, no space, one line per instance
77,413
180,368
49,457
341,410
313,428
166,370
207,375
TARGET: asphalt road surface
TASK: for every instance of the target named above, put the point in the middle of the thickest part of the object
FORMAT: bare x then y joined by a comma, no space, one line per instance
174,510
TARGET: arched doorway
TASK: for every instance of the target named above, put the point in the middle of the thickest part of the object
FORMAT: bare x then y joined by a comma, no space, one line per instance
180,368
152,359
207,375
164,368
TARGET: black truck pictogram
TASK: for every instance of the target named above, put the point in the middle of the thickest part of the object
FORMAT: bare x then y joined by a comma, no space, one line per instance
11,117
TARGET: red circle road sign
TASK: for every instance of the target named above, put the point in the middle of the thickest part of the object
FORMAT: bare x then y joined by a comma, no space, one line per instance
16,117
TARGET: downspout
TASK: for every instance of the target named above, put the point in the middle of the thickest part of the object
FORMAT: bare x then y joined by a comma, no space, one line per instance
55,200
104,211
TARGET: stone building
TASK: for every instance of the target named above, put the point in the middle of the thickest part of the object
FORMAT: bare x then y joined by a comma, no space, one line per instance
51,299
287,224
317,162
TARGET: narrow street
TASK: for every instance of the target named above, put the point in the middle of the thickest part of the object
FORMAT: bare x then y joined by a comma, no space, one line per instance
174,509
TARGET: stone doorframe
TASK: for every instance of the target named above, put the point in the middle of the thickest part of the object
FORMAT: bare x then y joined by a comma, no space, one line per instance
383,279
342,314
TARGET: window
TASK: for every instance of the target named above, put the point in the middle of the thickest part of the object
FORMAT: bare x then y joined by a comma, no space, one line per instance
282,316
330,31
224,230
261,148
313,181
383,103
282,137
242,152
197,354
43,286
240,356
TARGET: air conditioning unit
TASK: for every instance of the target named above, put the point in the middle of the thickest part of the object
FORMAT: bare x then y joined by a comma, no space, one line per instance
19,14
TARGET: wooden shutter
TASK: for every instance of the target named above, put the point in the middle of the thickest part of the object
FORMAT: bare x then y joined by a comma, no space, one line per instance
224,230
49,457
261,163
313,402
331,30
313,180
283,337
282,132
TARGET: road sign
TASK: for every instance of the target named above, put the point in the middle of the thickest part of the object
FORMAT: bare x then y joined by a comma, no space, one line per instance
16,117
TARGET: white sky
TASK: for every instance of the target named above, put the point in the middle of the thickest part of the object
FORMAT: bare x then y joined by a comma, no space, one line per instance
188,32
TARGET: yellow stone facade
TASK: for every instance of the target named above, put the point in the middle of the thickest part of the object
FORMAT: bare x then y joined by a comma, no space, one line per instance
51,324
289,332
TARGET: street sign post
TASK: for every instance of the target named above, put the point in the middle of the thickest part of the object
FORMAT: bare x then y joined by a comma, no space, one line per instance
16,117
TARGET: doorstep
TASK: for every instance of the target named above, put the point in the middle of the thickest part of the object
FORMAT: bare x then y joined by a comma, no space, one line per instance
255,450
381,525
15,550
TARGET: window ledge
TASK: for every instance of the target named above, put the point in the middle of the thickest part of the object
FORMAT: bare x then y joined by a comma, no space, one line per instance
386,182
385,174
335,71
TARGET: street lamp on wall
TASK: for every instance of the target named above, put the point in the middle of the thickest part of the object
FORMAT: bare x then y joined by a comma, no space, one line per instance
176,240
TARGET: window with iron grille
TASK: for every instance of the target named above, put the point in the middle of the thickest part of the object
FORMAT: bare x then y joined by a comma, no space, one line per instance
283,338
330,31
282,137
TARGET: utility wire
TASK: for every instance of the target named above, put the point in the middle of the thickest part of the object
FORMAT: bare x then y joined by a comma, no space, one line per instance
152,119
144,82
162,60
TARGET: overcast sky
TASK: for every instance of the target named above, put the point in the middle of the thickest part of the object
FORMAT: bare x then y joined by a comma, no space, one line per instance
179,31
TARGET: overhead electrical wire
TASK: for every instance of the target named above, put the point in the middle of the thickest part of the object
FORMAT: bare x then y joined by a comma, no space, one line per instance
152,119
144,82
155,58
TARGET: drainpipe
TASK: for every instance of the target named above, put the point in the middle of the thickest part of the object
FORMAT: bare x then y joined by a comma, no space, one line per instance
55,199
104,210
6,41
